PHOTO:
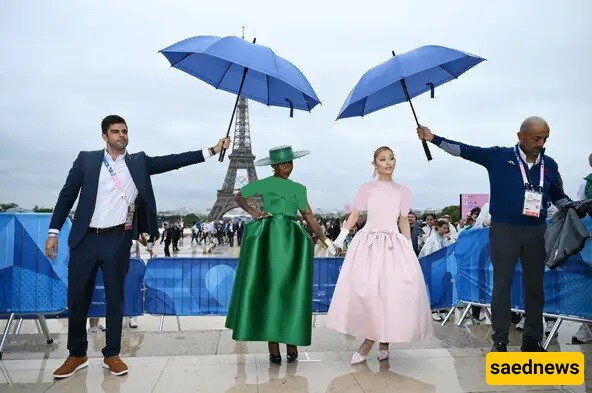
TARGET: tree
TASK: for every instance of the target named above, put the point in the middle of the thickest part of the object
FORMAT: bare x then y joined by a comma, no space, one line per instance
6,206
453,211
38,209
190,219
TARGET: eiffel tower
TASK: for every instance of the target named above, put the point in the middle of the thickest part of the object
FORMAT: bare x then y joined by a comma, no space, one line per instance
241,158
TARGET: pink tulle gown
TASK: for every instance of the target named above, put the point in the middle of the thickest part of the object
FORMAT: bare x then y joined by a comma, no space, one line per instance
380,293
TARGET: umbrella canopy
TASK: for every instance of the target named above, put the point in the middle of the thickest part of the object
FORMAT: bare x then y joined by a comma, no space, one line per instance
243,68
405,76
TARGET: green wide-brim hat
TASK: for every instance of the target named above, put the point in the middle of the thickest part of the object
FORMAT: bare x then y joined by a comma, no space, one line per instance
280,154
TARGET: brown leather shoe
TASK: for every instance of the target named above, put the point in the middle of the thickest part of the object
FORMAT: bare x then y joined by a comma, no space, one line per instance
70,366
115,364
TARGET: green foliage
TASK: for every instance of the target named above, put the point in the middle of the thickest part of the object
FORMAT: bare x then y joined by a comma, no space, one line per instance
38,209
453,211
6,206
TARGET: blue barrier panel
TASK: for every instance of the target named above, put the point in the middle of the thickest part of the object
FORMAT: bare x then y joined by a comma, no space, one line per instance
475,270
439,270
29,281
475,279
133,299
326,272
189,286
568,287
203,286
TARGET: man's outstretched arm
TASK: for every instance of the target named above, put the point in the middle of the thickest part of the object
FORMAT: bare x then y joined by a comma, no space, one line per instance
479,155
167,163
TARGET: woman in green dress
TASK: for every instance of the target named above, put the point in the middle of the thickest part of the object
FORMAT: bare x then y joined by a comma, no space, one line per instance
272,293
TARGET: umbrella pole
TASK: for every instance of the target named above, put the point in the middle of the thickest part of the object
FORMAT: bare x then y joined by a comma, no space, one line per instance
426,149
240,89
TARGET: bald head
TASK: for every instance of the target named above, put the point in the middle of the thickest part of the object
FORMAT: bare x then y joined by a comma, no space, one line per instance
533,123
533,135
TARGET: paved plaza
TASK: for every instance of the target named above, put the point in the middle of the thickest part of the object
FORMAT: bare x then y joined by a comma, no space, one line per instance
197,354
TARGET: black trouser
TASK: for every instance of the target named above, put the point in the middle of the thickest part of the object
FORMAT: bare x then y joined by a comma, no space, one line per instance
167,252
111,253
508,243
239,238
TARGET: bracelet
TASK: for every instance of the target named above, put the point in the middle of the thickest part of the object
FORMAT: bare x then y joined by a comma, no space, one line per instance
51,234
328,242
212,151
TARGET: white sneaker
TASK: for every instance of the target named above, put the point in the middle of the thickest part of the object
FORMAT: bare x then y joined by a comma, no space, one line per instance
437,317
583,335
96,329
133,322
520,325
357,358
383,354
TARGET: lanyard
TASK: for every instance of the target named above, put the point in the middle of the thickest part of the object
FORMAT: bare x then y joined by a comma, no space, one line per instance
115,179
525,177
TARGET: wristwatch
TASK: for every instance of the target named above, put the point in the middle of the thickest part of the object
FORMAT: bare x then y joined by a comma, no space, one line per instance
212,151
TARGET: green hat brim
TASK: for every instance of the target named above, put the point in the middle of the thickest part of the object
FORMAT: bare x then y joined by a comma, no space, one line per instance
267,161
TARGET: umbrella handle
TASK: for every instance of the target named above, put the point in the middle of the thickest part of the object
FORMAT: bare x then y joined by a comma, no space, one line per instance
431,86
222,154
426,149
291,107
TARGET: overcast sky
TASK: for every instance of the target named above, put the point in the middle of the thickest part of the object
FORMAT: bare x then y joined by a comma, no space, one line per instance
67,64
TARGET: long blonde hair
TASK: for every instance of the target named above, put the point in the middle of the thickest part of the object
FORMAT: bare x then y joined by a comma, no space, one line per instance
376,153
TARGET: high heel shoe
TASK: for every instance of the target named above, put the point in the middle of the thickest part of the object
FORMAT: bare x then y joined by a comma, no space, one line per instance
274,348
275,359
383,354
357,358
292,357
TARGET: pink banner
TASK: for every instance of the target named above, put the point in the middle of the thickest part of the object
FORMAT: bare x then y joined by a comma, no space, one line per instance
469,201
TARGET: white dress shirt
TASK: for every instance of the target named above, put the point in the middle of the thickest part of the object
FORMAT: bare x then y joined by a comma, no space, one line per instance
523,156
111,206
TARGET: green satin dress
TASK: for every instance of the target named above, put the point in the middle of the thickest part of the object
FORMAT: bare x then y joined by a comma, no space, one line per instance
272,293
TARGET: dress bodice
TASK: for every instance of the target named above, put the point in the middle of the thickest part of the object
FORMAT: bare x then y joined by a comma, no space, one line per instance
384,202
280,196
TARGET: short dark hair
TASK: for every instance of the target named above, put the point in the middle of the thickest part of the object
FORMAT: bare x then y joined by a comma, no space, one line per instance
109,121
440,222
431,215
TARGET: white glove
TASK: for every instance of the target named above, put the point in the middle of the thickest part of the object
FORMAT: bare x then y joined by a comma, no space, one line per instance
342,235
332,250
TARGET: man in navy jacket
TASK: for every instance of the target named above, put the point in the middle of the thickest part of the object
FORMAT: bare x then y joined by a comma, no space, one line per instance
116,204
522,180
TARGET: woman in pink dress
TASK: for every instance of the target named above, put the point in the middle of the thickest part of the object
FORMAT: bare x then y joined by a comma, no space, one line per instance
380,293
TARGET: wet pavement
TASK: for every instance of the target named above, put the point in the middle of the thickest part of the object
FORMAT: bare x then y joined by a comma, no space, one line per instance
196,354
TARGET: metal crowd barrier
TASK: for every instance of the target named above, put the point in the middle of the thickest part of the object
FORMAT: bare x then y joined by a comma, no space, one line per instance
456,276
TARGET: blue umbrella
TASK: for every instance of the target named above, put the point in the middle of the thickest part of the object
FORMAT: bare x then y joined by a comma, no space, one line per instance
245,69
405,76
